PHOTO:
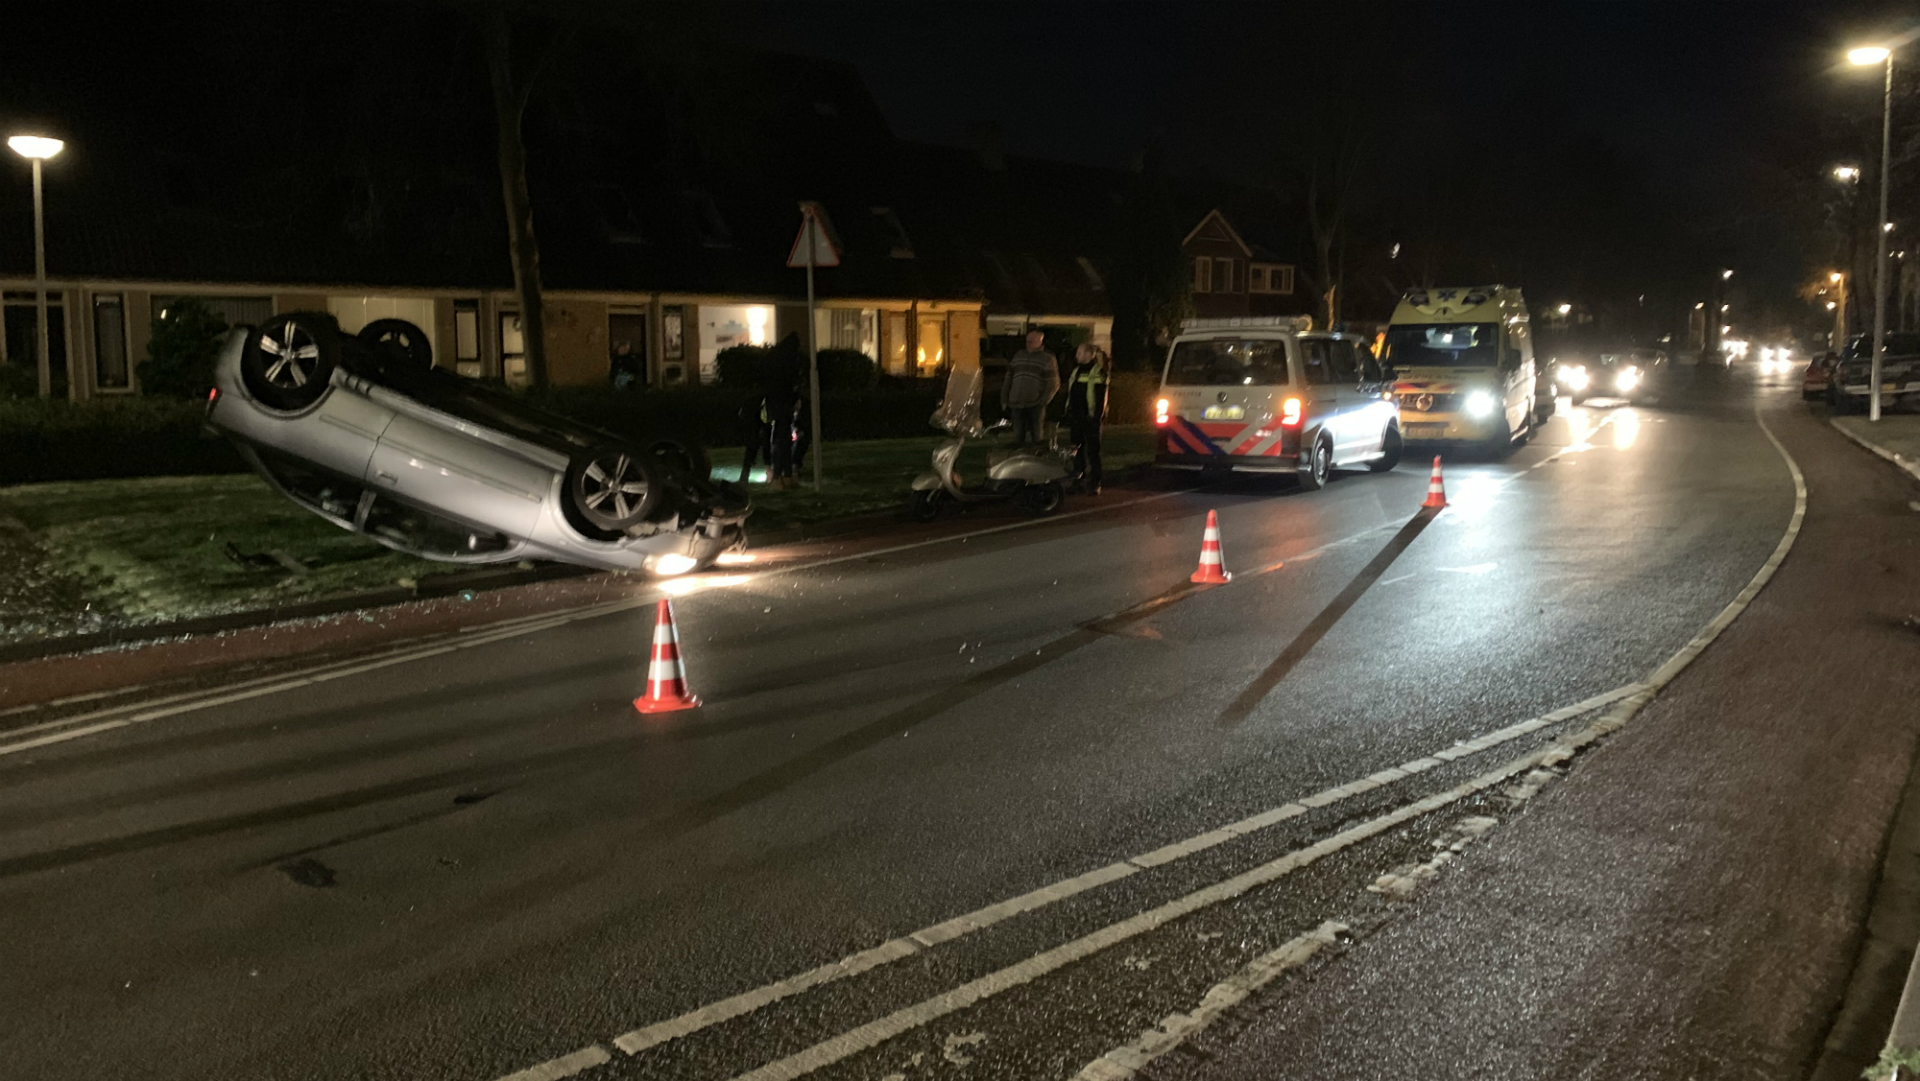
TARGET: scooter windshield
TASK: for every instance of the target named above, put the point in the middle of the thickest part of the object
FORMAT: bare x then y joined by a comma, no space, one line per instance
959,411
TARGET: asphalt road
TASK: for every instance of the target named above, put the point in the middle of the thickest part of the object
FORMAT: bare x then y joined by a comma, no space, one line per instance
482,861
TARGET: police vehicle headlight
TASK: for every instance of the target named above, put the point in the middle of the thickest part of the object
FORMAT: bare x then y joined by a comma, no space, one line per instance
1628,379
1575,377
1480,404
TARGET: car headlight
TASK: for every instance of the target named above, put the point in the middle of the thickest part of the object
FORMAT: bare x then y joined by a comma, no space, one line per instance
1628,379
672,563
1480,404
1575,377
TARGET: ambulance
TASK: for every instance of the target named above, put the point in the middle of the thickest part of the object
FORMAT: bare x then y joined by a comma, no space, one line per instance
1271,395
1462,364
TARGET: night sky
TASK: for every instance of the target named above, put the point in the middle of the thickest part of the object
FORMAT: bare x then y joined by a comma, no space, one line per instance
1623,146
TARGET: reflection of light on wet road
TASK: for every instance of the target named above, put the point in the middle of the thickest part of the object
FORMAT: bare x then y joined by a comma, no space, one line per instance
1626,428
1477,568
1580,425
680,587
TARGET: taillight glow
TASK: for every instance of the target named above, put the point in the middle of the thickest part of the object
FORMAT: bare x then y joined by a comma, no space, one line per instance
1160,411
213,395
1290,413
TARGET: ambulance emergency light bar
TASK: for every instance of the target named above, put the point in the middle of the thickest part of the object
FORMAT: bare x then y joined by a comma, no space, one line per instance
1299,324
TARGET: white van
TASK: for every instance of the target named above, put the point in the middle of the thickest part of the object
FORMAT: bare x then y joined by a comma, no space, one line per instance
1462,364
1269,395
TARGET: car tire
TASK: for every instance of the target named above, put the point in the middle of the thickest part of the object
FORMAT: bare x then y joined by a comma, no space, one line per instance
392,339
1319,466
1392,448
611,489
1040,500
288,360
926,504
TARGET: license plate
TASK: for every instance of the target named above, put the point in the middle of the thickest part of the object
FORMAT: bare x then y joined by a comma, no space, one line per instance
1224,412
1426,431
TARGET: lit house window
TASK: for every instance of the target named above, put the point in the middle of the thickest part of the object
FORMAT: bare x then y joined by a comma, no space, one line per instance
1203,275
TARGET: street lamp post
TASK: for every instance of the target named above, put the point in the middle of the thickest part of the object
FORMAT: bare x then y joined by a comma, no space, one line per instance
1868,56
38,148
1839,312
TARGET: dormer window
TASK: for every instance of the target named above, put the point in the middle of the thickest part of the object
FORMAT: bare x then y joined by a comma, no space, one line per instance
1270,278
899,246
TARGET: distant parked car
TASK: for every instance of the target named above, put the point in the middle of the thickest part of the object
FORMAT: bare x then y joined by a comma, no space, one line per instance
1813,383
1850,387
365,432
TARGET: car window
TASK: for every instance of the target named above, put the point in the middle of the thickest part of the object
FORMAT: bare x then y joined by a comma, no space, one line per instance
1345,366
1219,362
419,531
1319,363
332,496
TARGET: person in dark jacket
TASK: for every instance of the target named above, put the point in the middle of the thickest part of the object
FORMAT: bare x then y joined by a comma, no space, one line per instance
786,366
1033,378
1086,409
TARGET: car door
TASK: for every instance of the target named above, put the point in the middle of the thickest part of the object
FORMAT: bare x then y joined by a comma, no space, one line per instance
436,466
1323,395
1359,434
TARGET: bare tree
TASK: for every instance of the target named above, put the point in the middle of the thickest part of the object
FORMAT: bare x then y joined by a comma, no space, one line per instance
513,84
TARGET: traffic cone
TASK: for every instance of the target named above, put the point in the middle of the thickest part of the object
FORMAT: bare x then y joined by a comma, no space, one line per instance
666,679
1436,491
1212,571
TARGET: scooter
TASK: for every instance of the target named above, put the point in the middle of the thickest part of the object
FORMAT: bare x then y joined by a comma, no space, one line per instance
1029,478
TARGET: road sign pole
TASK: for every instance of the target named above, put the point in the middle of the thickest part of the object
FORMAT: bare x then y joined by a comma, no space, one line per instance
813,355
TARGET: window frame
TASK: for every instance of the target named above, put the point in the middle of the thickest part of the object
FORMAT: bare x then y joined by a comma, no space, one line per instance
125,386
1202,274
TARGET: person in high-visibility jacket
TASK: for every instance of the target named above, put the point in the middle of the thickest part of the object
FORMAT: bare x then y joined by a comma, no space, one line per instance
1086,408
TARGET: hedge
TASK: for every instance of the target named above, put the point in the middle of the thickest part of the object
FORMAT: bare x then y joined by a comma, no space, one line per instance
48,440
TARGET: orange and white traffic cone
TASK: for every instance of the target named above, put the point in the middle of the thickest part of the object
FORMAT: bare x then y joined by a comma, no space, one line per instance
1436,491
1212,571
666,678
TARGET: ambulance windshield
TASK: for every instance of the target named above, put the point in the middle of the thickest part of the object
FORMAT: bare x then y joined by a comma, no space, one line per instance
1442,345
1228,362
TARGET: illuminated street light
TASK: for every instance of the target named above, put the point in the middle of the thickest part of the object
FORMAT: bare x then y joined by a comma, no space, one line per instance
1565,308
1700,305
1847,174
38,148
1866,56
1834,277
1831,305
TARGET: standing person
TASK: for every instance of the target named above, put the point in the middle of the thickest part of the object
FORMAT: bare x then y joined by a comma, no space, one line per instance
785,367
1033,378
757,429
1086,409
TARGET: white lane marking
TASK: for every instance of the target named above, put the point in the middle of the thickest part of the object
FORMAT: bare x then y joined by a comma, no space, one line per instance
641,1039
1123,1062
565,1066
874,1033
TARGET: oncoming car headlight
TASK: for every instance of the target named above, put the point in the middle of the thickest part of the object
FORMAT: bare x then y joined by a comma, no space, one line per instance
1575,377
1627,379
1480,404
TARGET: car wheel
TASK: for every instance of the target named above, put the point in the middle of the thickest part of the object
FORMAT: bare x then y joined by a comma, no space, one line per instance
288,360
1319,467
611,489
1040,499
925,504
392,338
690,460
1391,447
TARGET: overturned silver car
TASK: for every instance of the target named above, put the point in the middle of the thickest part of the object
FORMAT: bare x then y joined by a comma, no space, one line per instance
365,432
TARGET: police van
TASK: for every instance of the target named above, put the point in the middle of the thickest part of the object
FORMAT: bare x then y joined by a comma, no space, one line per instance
1463,370
1271,395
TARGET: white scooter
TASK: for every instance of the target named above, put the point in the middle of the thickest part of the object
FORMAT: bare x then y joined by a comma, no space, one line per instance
1030,478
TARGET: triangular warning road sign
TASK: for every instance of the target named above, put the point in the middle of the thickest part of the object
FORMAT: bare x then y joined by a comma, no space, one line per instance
813,224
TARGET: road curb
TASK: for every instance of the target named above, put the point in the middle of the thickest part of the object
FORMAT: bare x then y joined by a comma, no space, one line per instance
1909,466
386,597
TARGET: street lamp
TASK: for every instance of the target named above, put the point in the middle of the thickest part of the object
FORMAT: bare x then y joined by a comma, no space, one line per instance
1725,274
1566,309
1847,174
1867,56
38,148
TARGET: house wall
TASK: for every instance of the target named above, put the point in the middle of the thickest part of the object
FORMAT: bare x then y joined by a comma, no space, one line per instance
577,343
